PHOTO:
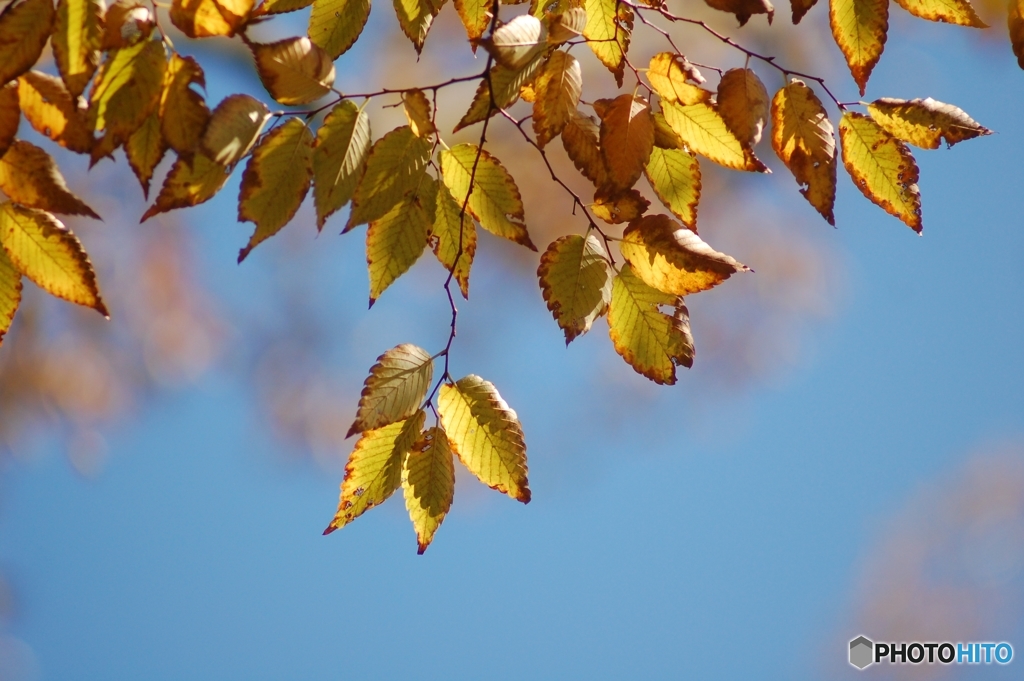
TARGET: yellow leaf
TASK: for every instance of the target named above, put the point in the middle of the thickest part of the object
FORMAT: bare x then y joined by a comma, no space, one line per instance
557,89
803,138
335,25
419,113
10,293
280,6
394,167
24,29
294,70
275,181
618,206
947,11
46,251
608,28
743,104
925,122
627,137
126,91
495,201
126,23
454,236
189,183
650,341
144,149
342,143
1015,22
207,18
475,15
374,470
395,241
704,131
674,175
53,112
10,115
668,73
576,281
30,177
415,18
882,167
183,112
77,35
506,84
859,28
581,139
516,42
664,136
674,259
397,384
485,434
234,127
800,8
428,479
744,9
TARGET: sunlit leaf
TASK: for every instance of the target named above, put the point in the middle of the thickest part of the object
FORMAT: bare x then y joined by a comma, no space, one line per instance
743,104
281,6
294,70
53,112
189,183
925,122
10,115
674,175
127,22
506,85
475,15
581,139
10,293
335,25
668,74
394,167
419,113
395,241
24,29
515,43
428,479
558,87
234,127
576,281
664,136
454,235
616,206
859,28
207,18
29,176
947,11
183,112
342,144
144,149
395,389
564,26
627,137
744,9
704,131
77,35
608,30
415,17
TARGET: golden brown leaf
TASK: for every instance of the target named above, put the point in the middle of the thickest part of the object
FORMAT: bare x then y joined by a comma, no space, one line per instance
395,389
859,28
183,111
627,137
189,183
619,206
454,237
564,26
127,22
558,87
674,175
744,9
428,479
576,282
10,293
925,122
958,12
664,136
234,127
30,177
476,17
668,73
144,149
77,35
24,29
342,143
581,139
10,115
419,113
294,70
52,111
207,18
743,104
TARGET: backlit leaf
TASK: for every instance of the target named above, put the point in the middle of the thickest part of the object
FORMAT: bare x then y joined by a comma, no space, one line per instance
567,25
144,149
744,9
859,28
10,293
947,11
581,139
882,167
126,90
800,8
419,113
674,259
335,25
627,137
475,15
281,6
495,201
454,228
506,85
207,18
29,176
24,29
342,144
394,167
558,87
485,434
395,241
53,112
10,115
664,136
803,138
516,42
397,384
608,28
234,127
668,73
618,206
374,469
415,17
743,104
704,131
189,183
428,479
77,35
183,112
925,122
650,341
576,281
294,70
275,180
674,175
46,251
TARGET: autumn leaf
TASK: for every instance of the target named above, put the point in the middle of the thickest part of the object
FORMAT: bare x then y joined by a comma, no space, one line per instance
618,206
484,432
234,127
397,384
207,18
859,28
608,29
24,29
581,139
394,167
506,85
374,469
804,140
44,250
29,176
800,8
704,131
454,236
495,201
564,26
958,12
77,35
145,149
415,17
334,25
743,104
674,175
280,7
668,74
183,112
53,112
419,113
558,87
925,122
10,293
10,115
295,70
475,15
882,167
189,183
650,341
576,281
275,181
126,22
743,9
428,479
342,144
395,241
672,258
1015,22
514,43
627,137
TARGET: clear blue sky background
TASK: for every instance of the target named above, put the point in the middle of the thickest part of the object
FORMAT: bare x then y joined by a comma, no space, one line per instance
665,543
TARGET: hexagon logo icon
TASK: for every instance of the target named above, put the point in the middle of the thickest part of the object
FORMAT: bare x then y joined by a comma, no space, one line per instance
861,649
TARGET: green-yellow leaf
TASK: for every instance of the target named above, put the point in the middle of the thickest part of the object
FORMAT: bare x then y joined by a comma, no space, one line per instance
126,90
743,104
650,341
627,137
581,139
419,113
485,434
53,112
394,167
183,111
859,28
275,181
29,176
703,130
397,240
77,35
189,183
281,6
668,74
608,28
475,15
294,70
24,29
674,175
374,469
672,258
576,281
144,149
10,293
335,25
234,127
454,236
207,18
558,87
415,18
46,251
342,144
10,115
743,9
428,479
397,384
947,11
925,122
506,84
882,167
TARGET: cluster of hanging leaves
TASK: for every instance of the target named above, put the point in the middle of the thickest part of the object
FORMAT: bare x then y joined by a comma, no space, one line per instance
119,83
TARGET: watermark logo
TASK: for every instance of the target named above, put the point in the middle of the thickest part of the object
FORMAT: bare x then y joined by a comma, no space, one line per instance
865,652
